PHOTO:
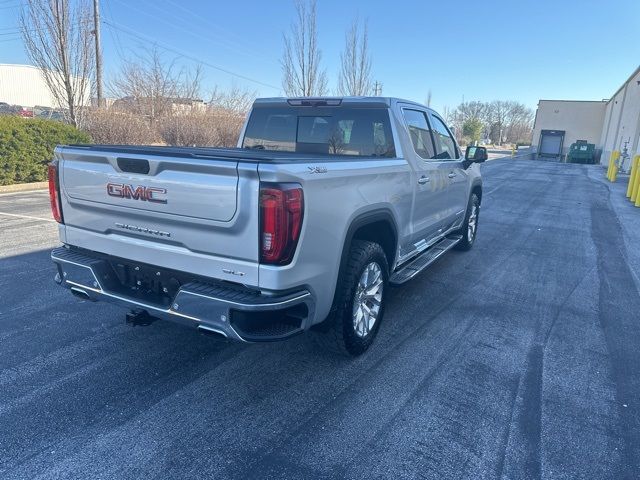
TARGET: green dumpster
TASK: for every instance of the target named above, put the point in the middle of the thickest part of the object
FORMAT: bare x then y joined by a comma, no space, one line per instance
581,152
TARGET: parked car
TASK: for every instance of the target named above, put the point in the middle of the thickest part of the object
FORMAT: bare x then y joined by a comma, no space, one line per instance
24,112
6,109
325,203
49,113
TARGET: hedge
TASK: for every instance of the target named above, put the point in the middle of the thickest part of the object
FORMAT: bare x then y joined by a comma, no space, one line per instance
26,147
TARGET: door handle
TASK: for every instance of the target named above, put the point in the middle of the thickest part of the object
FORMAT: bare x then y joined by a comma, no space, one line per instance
423,179
451,175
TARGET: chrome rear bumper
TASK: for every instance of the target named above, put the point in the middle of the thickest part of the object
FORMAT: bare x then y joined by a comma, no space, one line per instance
232,311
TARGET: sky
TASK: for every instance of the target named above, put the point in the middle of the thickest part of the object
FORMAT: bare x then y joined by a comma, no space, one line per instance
473,50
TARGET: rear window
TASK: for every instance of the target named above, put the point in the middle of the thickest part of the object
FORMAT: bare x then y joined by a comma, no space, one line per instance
364,132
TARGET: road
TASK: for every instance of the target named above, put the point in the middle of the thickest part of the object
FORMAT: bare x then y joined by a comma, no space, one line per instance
518,359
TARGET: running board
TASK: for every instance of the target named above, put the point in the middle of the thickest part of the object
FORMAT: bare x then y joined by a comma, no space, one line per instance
423,260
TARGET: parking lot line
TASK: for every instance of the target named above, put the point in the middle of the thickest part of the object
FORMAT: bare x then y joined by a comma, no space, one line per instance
28,217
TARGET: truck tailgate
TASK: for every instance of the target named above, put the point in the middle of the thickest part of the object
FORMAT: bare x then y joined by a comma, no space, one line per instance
139,205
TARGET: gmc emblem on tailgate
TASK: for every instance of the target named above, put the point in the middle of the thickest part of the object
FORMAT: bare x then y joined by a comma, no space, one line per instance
140,192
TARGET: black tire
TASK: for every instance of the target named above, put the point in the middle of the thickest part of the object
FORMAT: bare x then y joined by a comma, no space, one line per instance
338,331
468,239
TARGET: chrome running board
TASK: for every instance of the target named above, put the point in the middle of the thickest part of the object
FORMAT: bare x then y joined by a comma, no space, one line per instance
422,261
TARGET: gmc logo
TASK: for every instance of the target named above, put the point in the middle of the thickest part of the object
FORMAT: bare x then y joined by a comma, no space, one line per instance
146,194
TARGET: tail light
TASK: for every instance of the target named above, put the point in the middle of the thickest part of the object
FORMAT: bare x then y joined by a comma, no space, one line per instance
281,212
54,192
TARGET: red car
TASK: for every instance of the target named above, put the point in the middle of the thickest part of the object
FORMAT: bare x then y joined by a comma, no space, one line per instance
24,112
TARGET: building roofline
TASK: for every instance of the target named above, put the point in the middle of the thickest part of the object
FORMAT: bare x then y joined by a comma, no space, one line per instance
635,72
18,65
574,101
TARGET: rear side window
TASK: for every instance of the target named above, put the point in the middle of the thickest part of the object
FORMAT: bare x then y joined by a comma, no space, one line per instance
445,145
323,130
419,132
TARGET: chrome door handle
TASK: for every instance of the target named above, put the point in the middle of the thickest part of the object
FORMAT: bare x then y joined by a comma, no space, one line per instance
451,175
423,179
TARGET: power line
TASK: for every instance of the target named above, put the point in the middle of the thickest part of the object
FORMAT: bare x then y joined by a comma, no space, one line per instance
207,21
145,38
114,34
190,30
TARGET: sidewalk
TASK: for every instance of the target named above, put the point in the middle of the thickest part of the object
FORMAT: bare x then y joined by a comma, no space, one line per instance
23,187
628,216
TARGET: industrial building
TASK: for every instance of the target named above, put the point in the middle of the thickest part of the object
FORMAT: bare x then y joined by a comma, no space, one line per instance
24,85
612,124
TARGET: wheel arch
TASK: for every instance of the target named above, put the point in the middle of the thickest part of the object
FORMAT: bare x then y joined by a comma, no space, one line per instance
376,225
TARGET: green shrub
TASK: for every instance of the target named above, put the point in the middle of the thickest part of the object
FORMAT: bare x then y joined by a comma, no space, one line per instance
26,147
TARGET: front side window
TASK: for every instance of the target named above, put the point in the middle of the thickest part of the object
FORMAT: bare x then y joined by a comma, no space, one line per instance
445,145
341,130
419,132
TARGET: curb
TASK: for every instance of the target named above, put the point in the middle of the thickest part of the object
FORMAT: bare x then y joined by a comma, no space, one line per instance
24,187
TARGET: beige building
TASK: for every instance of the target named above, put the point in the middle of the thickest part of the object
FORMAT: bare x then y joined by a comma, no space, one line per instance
23,85
559,123
609,124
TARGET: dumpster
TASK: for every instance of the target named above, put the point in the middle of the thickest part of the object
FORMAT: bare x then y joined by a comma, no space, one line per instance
581,152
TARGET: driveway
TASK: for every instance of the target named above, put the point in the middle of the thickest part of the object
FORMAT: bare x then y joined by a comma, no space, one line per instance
518,359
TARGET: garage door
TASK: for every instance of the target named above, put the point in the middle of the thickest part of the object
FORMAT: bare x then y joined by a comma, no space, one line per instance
551,143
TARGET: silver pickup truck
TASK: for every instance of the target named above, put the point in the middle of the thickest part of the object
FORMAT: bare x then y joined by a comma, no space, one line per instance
323,205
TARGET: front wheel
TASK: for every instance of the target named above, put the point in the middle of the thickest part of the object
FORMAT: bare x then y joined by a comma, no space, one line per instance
469,228
354,323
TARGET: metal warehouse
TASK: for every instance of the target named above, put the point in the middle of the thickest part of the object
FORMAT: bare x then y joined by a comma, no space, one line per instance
612,124
24,85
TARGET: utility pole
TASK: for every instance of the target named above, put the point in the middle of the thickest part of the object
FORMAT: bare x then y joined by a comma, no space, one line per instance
377,89
96,32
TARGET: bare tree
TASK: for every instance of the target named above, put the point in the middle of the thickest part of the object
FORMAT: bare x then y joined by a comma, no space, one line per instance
236,100
496,113
355,69
151,86
519,122
58,39
300,62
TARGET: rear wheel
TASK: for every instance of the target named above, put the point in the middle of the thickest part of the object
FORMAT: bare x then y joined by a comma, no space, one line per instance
469,228
354,323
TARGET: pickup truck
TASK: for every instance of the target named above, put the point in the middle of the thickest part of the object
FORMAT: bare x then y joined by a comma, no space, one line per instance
324,204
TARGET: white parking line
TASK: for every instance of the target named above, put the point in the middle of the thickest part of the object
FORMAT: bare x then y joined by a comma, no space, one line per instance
28,216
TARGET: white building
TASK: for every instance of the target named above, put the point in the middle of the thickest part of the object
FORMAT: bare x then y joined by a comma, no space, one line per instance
622,119
609,124
24,85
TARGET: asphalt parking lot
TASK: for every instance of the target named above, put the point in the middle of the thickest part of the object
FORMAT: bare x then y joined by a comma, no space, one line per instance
518,359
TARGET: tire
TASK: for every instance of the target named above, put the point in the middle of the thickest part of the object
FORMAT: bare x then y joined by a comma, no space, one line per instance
469,228
348,330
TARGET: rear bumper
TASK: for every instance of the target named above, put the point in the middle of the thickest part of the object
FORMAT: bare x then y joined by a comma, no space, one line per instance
233,311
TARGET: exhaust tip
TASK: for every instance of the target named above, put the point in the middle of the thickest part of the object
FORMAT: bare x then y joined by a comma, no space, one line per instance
81,294
213,332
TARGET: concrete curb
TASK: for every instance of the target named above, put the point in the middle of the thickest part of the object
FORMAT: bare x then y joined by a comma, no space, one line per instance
24,187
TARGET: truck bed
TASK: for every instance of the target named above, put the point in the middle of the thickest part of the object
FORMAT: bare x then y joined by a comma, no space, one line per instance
222,154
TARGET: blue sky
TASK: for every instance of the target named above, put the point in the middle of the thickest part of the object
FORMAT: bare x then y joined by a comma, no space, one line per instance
512,50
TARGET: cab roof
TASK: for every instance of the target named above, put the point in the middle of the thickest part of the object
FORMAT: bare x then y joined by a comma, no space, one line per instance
333,101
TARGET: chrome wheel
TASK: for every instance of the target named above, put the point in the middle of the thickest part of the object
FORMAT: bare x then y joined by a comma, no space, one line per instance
367,299
472,223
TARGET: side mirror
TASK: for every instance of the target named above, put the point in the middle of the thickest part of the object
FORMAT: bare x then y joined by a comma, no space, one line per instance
476,154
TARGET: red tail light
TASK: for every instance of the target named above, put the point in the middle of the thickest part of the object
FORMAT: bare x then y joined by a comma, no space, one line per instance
54,192
281,212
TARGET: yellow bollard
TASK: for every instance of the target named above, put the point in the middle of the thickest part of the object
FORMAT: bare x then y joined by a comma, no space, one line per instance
612,162
635,193
632,177
614,167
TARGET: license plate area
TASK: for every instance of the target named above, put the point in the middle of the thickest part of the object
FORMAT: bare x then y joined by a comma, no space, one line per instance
146,282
